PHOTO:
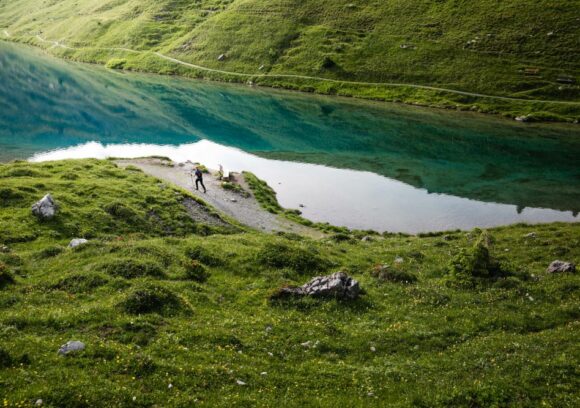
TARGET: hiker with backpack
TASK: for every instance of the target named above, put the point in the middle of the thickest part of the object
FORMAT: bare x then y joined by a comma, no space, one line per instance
199,179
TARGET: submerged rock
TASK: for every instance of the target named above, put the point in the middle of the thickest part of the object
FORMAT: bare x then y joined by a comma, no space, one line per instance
561,266
72,346
338,285
45,208
76,242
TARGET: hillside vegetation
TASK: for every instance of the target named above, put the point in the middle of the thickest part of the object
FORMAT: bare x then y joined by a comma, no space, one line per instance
517,48
175,308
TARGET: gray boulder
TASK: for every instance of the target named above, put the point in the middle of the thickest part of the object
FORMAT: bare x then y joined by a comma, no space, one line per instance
76,242
561,266
338,285
46,208
72,346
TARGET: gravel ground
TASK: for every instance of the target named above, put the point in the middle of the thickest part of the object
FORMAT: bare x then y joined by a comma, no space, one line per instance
244,209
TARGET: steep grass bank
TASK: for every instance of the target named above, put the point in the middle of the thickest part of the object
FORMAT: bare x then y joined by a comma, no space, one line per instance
181,318
517,49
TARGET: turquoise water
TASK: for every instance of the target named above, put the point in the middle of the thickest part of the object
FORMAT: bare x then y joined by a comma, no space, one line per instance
360,164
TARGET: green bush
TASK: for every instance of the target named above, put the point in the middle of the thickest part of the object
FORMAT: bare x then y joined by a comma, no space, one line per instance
80,283
386,273
151,298
195,271
132,268
116,63
203,255
476,263
120,210
299,258
6,277
50,252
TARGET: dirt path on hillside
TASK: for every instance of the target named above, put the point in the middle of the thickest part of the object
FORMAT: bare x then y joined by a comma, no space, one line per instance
246,210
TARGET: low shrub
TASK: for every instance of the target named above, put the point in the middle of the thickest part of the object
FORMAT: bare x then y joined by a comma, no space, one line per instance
116,63
475,264
386,273
6,277
120,210
80,283
195,271
49,252
199,253
299,258
132,268
151,298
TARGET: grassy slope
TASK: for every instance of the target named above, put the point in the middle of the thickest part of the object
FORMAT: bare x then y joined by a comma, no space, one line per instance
480,47
512,342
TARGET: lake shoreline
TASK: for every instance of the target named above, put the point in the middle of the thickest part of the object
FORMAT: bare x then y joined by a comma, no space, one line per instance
472,107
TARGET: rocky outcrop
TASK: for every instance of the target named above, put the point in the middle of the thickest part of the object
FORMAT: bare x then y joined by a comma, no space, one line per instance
561,266
45,208
338,285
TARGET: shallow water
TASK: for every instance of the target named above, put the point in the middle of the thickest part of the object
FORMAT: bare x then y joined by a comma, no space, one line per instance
359,164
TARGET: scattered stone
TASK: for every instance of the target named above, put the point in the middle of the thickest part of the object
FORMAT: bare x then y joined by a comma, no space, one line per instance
367,238
46,208
39,402
4,249
561,266
233,200
76,242
373,349
399,260
268,328
71,347
338,285
309,344
263,373
270,354
551,33
524,118
240,382
170,386
221,57
261,67
531,235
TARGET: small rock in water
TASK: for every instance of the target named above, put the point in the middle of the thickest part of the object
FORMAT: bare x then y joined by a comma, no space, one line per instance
76,242
45,208
71,347
561,266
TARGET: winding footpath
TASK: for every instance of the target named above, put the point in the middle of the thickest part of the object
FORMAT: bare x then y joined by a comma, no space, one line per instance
337,81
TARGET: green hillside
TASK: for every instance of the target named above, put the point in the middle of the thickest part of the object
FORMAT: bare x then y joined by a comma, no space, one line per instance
176,311
517,48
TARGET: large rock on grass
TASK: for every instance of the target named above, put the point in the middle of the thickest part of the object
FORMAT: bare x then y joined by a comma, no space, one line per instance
46,208
561,266
338,285
77,242
72,346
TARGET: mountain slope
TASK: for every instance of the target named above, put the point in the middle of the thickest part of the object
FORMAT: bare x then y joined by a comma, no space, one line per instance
510,48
